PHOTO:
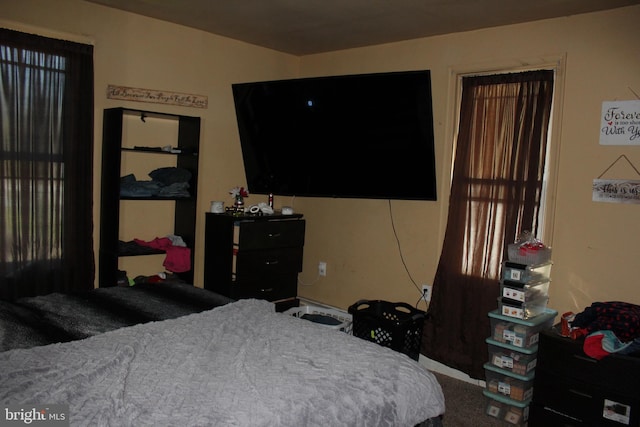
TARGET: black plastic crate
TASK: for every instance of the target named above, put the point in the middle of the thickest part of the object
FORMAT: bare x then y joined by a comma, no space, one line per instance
396,325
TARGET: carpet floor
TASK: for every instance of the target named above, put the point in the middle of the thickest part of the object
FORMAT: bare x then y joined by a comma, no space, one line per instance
465,405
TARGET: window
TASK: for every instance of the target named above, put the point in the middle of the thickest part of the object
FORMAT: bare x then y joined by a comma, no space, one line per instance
496,191
46,147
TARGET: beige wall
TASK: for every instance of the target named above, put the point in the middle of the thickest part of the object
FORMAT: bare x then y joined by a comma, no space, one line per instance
131,50
595,245
598,57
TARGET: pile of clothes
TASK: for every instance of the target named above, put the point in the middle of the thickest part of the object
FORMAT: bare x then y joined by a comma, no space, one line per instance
178,259
170,182
609,327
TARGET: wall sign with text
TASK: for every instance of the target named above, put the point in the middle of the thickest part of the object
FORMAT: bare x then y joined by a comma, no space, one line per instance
616,191
156,96
620,123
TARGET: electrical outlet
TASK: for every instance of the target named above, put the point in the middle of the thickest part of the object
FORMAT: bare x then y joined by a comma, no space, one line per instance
426,293
322,268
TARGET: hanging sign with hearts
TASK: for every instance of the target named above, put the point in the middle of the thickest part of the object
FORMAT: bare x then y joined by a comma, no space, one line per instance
620,123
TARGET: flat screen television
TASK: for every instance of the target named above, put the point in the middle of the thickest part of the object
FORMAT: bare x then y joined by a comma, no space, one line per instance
354,136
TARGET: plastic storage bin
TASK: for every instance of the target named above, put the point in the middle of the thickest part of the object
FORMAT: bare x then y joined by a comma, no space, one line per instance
326,317
518,360
524,255
522,310
514,386
519,332
524,292
395,325
523,273
505,409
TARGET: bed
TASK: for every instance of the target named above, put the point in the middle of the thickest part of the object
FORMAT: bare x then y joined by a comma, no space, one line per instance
167,355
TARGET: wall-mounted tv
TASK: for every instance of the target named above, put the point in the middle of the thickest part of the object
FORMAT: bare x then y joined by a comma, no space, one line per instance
354,136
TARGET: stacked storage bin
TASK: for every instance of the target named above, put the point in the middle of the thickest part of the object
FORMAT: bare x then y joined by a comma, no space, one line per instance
515,326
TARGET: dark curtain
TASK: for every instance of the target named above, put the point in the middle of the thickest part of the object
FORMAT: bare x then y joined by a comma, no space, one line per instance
495,193
46,171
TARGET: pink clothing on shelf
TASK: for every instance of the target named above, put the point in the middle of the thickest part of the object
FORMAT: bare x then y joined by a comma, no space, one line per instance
178,259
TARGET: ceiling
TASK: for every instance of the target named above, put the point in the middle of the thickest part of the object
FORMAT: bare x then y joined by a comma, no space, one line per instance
303,27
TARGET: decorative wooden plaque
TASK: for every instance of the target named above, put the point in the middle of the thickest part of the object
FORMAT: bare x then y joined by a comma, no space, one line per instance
156,96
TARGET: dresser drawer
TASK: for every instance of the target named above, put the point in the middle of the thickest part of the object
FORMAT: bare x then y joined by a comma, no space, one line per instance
271,234
583,403
544,416
565,357
272,288
269,262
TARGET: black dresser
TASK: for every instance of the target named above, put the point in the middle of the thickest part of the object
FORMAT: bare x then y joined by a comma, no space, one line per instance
573,389
250,256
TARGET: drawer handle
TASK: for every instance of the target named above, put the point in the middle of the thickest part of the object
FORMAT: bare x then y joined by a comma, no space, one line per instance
586,359
274,235
266,290
271,262
579,393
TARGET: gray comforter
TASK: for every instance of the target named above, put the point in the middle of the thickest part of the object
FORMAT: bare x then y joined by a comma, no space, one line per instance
241,364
